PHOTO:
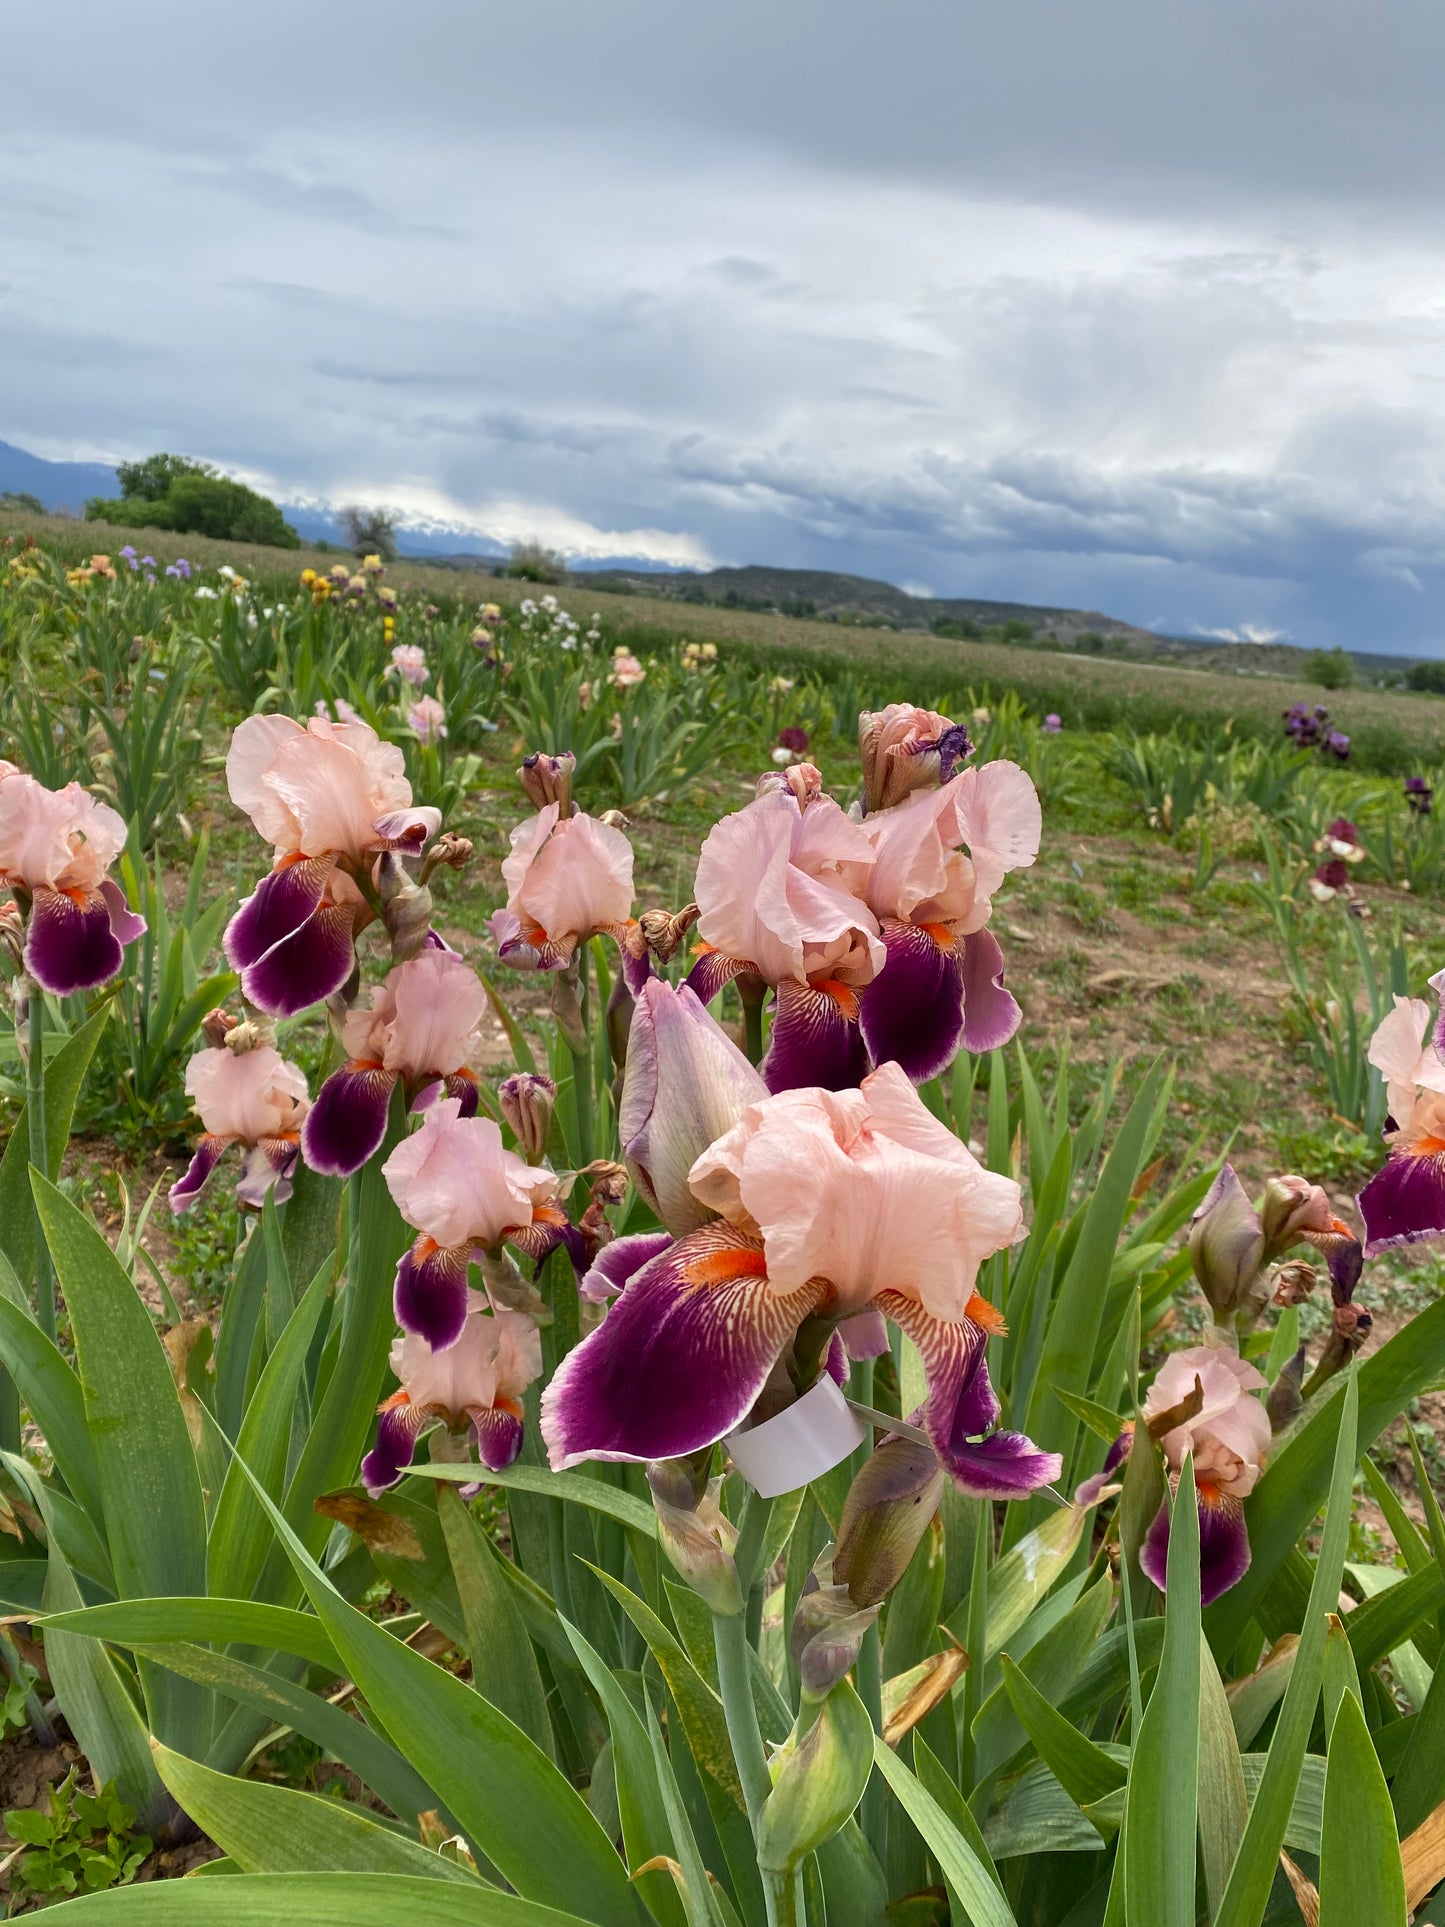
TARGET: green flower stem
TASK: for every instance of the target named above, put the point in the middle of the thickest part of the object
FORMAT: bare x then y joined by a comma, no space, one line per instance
39,1150
871,1815
783,1893
582,1098
735,1687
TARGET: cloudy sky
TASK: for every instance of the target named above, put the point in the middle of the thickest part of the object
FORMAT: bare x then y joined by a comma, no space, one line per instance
1138,304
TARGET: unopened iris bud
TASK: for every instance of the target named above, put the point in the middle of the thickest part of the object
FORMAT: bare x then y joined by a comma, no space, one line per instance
450,851
527,1102
1292,1209
1286,1401
663,931
1226,1246
827,1631
696,1538
406,907
818,1775
889,1507
548,779
905,748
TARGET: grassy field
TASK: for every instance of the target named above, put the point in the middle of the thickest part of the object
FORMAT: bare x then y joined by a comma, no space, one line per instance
1120,942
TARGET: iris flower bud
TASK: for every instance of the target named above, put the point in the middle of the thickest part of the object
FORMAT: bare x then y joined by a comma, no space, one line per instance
889,1507
1226,1246
696,1538
548,779
527,1101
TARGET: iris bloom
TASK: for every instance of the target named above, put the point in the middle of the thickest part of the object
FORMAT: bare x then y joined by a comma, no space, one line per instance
330,797
427,720
252,1098
779,893
1404,1202
1229,1438
466,1196
408,659
942,986
56,849
568,878
833,1207
420,1031
477,1382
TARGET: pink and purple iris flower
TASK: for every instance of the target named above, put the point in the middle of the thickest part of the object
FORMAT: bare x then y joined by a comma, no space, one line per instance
56,850
1404,1203
871,934
331,797
253,1099
827,1213
569,878
466,1196
420,1031
475,1384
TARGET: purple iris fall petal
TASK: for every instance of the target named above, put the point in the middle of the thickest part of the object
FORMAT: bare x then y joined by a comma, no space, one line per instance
346,1124
616,1264
962,1405
713,972
498,1433
280,905
396,1435
990,1013
680,1358
189,1186
913,1011
127,924
1223,1547
463,1087
269,1166
1404,1203
430,1294
70,944
305,968
814,1041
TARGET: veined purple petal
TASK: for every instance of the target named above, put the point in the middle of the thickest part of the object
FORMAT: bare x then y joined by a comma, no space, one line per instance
1223,1546
189,1186
69,942
1404,1203
463,1087
962,1405
277,908
912,1012
815,1039
616,1264
269,1165
865,1334
346,1124
713,971
430,1294
127,924
305,968
680,1358
990,1014
498,1433
396,1436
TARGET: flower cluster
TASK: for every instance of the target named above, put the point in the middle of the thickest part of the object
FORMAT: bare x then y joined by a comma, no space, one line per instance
1310,729
56,852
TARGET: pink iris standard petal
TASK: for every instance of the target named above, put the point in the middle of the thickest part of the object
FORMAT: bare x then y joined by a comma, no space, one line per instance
328,788
454,1180
1231,1416
438,1003
1400,1053
990,1013
126,924
55,839
997,812
775,885
916,869
680,1358
865,1188
248,1094
569,877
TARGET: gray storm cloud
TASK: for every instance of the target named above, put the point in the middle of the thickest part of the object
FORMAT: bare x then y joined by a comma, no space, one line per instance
1132,306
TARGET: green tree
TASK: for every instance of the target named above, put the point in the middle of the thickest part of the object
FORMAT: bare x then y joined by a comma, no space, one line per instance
1330,668
151,478
173,492
21,499
1426,675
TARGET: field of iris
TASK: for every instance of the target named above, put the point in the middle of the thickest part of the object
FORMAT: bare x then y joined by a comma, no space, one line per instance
620,1663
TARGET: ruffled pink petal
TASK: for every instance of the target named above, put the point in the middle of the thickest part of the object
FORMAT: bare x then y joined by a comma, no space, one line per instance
438,1004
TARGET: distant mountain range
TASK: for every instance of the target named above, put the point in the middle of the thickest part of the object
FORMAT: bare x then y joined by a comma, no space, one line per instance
815,593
